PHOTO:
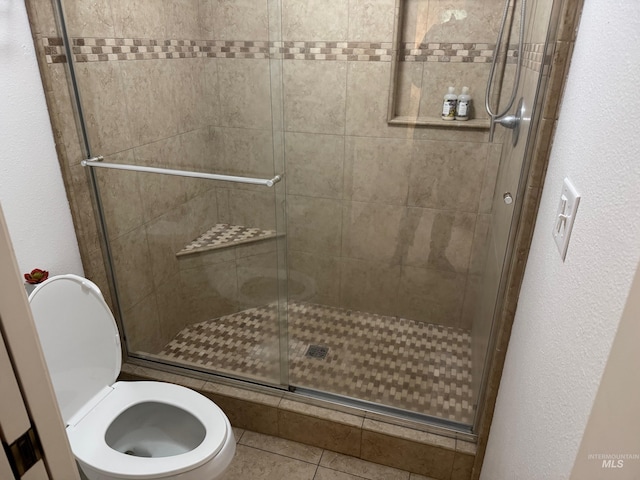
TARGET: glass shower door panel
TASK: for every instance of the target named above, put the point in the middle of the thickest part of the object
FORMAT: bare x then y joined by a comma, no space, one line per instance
512,170
198,263
382,250
196,268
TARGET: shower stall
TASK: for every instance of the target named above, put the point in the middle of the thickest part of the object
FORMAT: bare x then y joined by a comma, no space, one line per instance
278,199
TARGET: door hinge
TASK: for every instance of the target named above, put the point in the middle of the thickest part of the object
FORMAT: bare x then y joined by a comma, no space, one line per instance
24,453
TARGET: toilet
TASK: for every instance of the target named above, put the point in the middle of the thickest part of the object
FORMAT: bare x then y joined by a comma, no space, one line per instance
121,430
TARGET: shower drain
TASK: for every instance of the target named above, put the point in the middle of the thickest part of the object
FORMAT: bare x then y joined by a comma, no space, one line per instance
317,351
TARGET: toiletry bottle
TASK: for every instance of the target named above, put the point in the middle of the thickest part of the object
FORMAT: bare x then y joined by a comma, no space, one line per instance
464,105
449,105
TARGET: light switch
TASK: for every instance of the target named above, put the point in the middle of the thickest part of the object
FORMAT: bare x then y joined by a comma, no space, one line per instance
565,216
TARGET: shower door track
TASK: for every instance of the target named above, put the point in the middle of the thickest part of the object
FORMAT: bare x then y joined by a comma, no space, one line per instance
379,408
443,426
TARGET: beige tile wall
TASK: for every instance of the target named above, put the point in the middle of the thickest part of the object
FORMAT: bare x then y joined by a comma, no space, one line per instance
379,218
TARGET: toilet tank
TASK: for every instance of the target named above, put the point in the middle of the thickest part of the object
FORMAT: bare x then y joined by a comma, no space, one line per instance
79,339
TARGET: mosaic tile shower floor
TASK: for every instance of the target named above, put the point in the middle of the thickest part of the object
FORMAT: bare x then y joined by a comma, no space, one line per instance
402,363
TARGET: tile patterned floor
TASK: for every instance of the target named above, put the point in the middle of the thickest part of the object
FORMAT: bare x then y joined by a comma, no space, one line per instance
261,457
394,361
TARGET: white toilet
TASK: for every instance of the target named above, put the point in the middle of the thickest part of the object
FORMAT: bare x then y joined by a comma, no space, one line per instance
121,430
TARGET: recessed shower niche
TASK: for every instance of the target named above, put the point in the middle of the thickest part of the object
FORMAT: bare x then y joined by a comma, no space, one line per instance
438,45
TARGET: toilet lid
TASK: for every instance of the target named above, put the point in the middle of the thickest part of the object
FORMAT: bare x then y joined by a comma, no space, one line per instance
79,338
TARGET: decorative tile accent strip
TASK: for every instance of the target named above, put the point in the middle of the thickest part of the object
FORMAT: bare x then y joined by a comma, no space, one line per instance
105,49
348,51
109,49
406,364
54,50
223,235
534,56
452,52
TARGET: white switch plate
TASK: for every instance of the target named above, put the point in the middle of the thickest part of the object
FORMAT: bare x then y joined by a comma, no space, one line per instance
565,216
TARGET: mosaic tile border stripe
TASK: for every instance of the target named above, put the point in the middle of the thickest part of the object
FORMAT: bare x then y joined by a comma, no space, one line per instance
112,49
534,56
452,52
349,51
120,49
223,235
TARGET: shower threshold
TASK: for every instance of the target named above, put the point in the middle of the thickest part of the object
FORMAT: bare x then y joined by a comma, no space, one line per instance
389,361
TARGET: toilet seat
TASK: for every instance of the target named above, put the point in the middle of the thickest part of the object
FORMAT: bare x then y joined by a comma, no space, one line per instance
79,339
88,442
189,437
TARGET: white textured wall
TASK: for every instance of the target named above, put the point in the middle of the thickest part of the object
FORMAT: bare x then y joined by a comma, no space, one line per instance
568,312
614,422
31,190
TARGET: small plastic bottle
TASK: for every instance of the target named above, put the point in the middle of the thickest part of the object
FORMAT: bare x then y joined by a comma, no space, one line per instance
449,105
463,106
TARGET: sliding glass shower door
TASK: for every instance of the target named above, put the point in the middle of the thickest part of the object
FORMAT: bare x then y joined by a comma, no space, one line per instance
196,278
369,273
169,91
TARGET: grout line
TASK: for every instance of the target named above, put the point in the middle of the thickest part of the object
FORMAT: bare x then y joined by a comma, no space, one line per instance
277,453
354,475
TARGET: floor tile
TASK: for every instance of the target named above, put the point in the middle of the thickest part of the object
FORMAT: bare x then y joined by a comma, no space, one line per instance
251,463
394,361
237,433
361,468
328,474
287,448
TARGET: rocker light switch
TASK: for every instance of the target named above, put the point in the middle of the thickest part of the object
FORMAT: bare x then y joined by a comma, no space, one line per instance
569,200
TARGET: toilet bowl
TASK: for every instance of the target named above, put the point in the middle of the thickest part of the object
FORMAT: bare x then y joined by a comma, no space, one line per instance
121,430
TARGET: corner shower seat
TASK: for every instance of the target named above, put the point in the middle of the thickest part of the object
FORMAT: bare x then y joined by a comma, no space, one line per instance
225,235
